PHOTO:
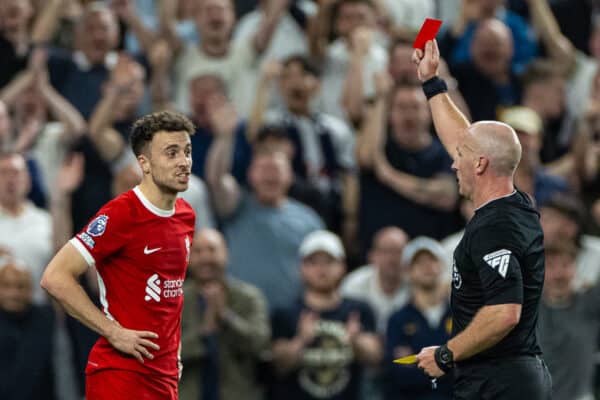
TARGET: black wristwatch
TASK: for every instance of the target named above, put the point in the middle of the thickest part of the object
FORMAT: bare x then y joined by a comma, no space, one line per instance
444,358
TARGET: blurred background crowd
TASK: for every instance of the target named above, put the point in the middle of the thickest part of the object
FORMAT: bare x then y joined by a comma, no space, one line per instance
327,210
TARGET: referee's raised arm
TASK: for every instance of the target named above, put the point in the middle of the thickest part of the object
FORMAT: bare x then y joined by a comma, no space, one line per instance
450,123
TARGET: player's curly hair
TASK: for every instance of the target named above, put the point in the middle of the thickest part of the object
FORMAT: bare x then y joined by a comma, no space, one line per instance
144,129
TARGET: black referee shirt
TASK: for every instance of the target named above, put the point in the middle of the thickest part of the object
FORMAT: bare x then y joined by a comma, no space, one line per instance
500,260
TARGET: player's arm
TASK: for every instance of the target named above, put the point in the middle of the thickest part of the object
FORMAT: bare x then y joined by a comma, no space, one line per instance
60,281
450,123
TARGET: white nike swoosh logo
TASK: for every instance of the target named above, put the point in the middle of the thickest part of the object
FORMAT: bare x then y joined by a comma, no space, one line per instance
150,251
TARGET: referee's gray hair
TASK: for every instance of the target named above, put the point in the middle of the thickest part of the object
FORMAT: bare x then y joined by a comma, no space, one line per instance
500,144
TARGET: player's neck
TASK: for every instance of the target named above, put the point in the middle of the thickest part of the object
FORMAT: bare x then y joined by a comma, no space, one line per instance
158,198
492,189
322,301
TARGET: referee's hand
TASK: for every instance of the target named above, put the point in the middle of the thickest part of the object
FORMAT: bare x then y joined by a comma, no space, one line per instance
134,343
426,362
427,61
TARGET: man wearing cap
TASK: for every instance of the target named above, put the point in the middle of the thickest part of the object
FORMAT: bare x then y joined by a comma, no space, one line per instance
424,321
323,341
498,266
530,175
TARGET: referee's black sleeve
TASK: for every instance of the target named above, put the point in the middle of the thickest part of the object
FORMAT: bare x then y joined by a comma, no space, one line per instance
499,269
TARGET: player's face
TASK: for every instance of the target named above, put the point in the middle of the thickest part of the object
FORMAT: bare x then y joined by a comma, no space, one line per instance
560,271
15,290
170,161
425,271
321,272
208,257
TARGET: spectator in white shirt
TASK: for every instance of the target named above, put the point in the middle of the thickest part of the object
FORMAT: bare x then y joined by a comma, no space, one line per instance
382,282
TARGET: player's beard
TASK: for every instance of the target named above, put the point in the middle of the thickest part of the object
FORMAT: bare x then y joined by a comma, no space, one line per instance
164,186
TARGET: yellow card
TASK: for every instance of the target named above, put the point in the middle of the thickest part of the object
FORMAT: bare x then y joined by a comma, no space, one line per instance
406,360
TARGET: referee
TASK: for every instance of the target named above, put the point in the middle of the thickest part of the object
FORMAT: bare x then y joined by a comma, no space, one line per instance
498,267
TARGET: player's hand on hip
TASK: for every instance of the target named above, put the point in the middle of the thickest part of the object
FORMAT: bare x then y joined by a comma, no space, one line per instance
427,61
426,362
134,343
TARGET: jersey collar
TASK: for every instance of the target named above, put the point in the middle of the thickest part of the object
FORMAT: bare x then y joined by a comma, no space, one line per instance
497,198
151,207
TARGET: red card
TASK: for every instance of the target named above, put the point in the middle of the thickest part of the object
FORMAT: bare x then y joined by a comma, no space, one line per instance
428,31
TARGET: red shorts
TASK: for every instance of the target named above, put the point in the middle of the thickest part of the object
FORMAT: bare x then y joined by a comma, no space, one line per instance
118,384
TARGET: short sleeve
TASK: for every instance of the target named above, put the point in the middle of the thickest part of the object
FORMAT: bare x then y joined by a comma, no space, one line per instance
498,266
105,234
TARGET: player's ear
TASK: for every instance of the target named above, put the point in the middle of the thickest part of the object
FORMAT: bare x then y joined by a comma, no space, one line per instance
144,163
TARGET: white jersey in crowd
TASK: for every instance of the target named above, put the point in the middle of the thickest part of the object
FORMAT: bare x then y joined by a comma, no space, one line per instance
362,284
28,237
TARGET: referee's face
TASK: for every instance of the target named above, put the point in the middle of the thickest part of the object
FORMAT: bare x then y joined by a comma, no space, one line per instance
464,167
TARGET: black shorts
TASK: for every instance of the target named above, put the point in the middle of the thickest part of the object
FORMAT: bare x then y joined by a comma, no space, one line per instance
520,377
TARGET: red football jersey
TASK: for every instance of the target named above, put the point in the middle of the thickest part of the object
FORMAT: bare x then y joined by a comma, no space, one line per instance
141,253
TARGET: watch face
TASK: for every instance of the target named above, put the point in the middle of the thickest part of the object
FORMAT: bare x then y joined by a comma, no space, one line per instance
445,357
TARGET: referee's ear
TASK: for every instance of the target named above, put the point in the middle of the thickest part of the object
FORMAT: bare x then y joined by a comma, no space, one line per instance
482,165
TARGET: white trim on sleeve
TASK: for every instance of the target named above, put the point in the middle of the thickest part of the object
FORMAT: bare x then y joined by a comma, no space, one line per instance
83,251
